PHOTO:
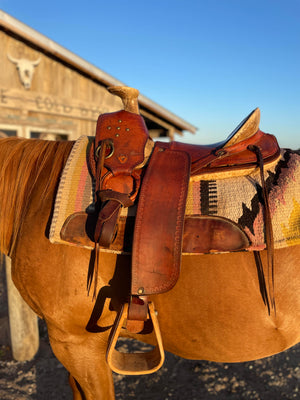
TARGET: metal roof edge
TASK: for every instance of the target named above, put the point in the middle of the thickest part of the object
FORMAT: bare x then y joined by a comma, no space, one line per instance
12,24
157,109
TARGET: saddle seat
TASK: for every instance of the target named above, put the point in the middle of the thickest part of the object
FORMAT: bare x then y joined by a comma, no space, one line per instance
232,154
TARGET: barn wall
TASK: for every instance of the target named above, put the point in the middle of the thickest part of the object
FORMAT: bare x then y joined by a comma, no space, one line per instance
60,101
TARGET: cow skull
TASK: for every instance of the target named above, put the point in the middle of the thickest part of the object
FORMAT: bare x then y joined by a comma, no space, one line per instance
25,68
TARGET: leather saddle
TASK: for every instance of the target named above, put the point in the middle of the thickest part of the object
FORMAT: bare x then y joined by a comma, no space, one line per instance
129,169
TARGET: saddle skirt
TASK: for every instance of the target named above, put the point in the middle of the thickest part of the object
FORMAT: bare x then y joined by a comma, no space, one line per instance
236,198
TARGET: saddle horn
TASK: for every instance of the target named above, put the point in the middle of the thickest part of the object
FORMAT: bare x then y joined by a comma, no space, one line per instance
129,97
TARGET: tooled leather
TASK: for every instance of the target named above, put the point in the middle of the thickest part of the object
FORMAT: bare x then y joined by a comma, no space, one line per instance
212,158
158,230
128,135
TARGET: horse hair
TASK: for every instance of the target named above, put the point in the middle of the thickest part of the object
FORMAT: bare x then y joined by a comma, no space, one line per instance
22,163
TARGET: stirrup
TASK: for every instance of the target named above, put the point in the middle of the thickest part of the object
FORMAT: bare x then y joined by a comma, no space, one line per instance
135,363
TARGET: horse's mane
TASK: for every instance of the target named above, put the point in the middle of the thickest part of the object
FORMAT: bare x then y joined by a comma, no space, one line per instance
22,161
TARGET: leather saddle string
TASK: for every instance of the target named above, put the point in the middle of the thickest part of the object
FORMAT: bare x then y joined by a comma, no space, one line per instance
261,280
99,166
97,170
268,229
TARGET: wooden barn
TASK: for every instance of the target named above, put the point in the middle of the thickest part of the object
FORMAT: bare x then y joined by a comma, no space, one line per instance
47,91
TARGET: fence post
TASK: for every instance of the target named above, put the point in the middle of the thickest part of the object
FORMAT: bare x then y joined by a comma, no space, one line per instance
22,321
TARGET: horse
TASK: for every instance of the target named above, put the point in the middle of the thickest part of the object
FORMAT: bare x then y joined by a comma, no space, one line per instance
215,311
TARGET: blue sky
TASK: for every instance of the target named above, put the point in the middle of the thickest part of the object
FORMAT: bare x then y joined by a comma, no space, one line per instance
211,62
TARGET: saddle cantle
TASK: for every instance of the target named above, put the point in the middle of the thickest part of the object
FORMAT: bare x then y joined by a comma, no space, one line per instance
128,168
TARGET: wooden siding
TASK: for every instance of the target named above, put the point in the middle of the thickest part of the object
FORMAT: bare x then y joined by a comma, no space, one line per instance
60,98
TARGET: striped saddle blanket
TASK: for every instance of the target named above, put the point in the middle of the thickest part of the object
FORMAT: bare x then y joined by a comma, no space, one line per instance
238,198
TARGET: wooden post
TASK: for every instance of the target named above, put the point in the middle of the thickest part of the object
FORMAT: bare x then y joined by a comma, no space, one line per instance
22,321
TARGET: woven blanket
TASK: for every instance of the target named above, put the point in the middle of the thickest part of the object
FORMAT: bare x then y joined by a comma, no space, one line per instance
238,198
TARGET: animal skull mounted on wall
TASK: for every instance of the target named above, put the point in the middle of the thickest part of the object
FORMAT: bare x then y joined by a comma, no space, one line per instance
25,68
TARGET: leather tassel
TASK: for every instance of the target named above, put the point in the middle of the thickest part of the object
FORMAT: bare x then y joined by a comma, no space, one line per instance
262,280
96,268
91,271
94,261
268,229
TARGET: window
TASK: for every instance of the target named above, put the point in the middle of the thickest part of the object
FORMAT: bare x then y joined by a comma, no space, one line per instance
7,132
48,135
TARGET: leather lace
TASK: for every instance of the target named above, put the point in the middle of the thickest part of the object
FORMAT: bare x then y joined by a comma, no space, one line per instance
96,165
268,293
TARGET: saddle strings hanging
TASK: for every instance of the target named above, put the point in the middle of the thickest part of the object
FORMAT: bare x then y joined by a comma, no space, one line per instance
96,165
107,206
267,294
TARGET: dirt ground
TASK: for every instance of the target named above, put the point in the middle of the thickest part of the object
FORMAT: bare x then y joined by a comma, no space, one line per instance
44,378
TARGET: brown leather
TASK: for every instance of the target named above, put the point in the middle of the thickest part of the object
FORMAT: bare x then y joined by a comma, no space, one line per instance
138,308
108,216
198,236
115,160
106,223
212,234
267,293
78,229
116,181
137,314
128,136
213,158
156,252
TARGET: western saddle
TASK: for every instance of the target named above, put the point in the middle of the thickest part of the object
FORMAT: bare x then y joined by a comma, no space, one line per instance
129,169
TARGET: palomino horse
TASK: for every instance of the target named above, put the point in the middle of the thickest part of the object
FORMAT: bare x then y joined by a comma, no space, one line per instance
215,311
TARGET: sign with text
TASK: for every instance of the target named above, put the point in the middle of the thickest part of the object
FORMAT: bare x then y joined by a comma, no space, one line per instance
43,103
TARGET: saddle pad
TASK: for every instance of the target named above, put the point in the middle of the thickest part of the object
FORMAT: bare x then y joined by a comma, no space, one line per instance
237,198
76,190
240,200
